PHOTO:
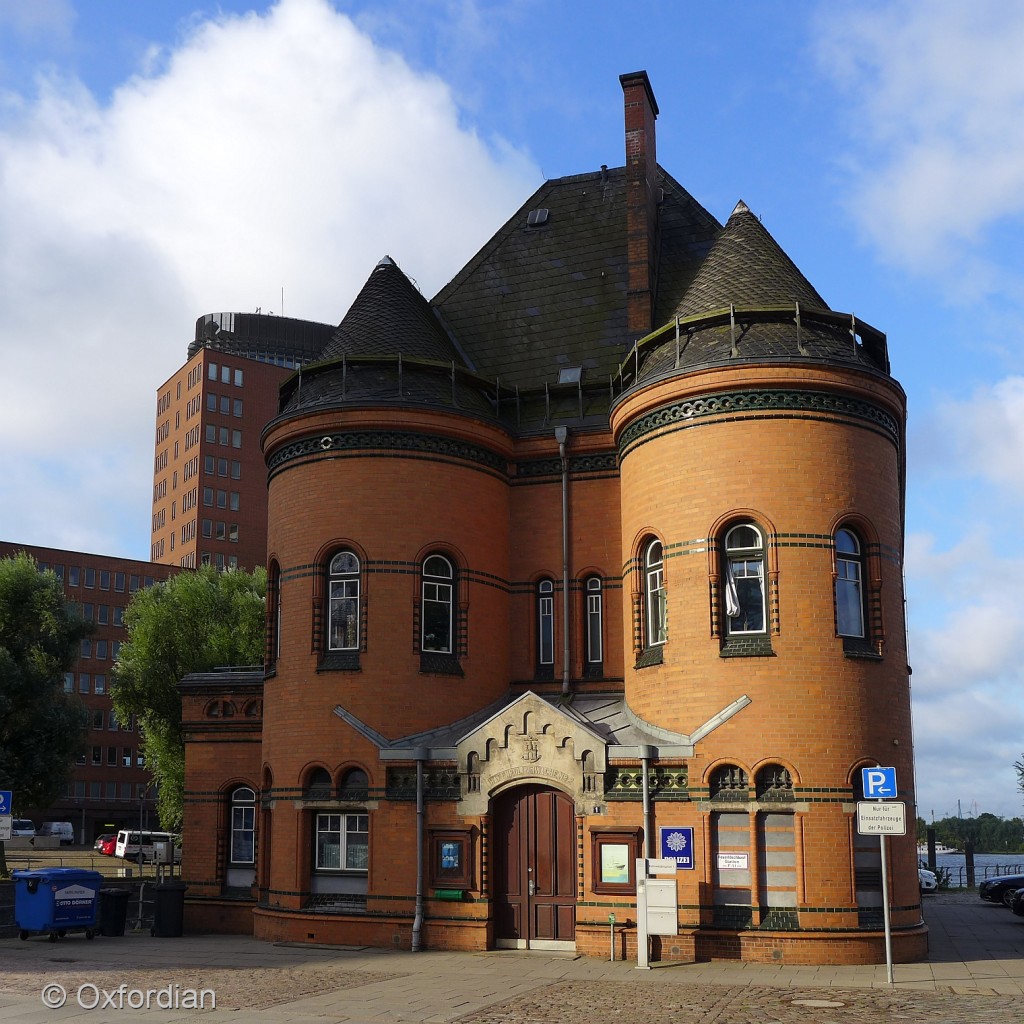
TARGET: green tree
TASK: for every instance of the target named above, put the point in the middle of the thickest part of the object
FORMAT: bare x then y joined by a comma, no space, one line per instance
42,728
193,622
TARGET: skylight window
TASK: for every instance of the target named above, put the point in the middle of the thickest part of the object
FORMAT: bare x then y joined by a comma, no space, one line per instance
570,375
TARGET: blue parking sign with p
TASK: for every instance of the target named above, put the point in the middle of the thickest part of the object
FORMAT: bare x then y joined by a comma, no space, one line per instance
5,801
879,783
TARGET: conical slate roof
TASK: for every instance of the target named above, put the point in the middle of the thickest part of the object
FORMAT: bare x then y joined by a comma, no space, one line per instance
376,355
746,267
749,302
388,317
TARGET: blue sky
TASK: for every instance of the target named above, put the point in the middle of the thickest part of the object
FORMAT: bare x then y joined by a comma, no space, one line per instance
163,160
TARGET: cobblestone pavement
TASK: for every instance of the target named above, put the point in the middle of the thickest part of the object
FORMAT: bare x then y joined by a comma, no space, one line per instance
974,975
675,1002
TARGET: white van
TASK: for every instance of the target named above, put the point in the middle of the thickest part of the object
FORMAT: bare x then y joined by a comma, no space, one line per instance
62,830
142,846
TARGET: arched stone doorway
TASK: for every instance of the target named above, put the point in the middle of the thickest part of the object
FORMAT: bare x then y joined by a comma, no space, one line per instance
534,869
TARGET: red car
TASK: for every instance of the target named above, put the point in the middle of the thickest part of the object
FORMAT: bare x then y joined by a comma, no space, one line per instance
105,844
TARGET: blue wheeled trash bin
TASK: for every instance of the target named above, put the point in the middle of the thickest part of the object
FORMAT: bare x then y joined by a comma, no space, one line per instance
55,901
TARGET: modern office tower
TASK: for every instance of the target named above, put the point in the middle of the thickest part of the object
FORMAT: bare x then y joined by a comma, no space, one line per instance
209,477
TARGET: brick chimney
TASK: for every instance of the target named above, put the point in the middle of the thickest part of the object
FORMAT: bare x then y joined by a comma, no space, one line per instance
642,196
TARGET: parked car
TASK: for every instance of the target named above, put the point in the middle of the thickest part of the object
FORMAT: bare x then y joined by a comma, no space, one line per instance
62,830
22,827
927,881
995,890
1017,903
106,844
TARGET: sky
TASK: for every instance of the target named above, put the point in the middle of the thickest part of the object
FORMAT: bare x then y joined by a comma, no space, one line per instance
159,161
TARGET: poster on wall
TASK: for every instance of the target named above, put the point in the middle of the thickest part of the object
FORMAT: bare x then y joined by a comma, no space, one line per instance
676,843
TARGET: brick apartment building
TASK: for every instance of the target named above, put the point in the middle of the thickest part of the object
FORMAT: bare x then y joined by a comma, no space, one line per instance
110,787
597,555
209,478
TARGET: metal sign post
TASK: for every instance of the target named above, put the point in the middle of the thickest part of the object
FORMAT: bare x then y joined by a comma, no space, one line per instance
882,819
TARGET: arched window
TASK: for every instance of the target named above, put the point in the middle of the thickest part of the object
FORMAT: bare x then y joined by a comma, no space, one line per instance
355,785
655,608
319,785
729,782
546,625
849,584
274,611
343,602
744,580
243,826
593,616
774,782
438,583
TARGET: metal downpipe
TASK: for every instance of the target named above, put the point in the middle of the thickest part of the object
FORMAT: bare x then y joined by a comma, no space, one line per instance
645,760
417,922
561,433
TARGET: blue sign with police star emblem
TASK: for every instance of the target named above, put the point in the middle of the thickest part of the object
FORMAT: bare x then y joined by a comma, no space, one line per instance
676,843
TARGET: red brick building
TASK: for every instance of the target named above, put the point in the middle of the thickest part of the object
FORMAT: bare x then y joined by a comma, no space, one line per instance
209,478
110,787
595,556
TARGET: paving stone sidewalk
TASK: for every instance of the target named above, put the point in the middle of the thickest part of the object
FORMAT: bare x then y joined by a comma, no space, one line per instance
975,973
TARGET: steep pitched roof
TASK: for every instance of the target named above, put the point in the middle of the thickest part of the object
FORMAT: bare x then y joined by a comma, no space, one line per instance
746,270
746,267
389,316
550,294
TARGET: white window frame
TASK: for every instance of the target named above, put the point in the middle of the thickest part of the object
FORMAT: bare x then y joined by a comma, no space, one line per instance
243,824
594,616
343,590
744,562
437,591
546,622
849,582
655,603
346,853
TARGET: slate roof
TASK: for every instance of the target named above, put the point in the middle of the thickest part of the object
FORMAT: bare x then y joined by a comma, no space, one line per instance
536,299
390,316
549,291
747,269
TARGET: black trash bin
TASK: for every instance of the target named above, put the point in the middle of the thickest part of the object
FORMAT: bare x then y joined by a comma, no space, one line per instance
169,910
113,911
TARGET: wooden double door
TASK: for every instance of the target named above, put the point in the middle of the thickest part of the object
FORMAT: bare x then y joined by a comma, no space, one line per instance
535,869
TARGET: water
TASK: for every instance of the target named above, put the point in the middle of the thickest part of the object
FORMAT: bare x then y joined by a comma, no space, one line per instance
986,865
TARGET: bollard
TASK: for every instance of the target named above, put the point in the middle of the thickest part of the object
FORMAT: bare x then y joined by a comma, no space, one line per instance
611,922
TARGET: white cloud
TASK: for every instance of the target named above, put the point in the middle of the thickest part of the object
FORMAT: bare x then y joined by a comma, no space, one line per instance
936,91
265,152
52,18
979,437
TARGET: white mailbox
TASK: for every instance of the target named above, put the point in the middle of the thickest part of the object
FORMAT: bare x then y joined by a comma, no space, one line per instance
662,907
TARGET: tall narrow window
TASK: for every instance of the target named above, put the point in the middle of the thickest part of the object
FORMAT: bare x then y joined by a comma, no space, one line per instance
438,578
594,614
546,624
744,580
243,826
654,594
343,625
849,585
